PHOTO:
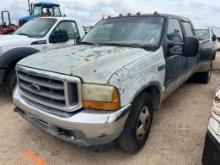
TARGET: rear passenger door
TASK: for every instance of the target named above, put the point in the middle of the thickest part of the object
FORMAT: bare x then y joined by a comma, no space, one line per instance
189,32
176,63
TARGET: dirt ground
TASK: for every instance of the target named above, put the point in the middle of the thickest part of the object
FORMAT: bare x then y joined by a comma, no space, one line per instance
176,138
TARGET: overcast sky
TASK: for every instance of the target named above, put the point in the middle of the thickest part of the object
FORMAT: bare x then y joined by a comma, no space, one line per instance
203,13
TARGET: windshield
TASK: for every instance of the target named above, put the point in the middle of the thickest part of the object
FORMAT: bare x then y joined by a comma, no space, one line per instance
202,34
46,11
127,31
37,27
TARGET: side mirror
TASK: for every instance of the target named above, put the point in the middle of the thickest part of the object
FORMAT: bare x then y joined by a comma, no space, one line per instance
175,48
214,38
191,47
77,37
58,37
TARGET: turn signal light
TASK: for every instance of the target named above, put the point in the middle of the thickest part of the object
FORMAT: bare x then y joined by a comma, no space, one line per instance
111,106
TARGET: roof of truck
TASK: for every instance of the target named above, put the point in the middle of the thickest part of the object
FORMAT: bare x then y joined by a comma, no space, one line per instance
154,14
46,4
59,18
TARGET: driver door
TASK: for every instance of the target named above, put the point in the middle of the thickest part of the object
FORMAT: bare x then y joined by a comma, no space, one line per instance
72,31
176,63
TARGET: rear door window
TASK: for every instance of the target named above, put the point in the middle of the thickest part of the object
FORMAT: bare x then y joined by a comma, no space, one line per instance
175,33
188,29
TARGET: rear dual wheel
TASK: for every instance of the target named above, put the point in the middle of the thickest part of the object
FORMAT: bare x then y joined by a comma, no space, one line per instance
204,77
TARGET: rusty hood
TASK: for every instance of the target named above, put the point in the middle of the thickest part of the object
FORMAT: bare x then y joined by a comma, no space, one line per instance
93,64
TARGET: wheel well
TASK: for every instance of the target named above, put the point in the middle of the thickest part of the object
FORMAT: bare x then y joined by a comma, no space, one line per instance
155,94
214,56
10,67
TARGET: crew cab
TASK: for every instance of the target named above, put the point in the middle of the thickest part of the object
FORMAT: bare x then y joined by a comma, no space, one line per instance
211,154
40,34
208,41
106,89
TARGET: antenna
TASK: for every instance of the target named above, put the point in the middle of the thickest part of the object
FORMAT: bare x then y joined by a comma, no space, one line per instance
75,8
29,7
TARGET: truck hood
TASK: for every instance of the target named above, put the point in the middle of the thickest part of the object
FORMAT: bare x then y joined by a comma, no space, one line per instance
14,40
26,18
95,64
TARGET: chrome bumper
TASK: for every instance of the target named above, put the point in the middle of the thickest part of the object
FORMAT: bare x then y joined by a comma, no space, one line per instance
85,128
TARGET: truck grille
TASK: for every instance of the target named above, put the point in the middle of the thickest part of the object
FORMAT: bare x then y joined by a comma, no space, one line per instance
49,90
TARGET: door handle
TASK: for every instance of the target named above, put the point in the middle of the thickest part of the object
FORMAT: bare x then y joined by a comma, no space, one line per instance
161,67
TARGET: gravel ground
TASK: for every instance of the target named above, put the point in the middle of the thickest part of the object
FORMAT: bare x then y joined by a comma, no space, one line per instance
177,135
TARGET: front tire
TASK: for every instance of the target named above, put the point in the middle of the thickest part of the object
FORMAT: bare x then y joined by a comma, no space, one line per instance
11,82
137,128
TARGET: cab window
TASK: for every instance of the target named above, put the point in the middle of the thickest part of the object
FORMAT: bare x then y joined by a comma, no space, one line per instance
57,12
70,27
175,33
188,29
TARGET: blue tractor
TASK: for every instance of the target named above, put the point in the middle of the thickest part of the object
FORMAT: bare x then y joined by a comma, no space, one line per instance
41,9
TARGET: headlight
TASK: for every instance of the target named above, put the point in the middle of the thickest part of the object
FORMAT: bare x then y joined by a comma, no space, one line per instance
215,126
100,97
216,103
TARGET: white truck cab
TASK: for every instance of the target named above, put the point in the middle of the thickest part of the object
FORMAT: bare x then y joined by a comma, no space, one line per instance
37,35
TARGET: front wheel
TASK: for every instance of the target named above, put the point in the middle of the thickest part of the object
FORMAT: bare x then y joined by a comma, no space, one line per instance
137,128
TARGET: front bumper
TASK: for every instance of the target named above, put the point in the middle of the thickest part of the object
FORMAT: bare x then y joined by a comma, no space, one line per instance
211,153
85,128
2,74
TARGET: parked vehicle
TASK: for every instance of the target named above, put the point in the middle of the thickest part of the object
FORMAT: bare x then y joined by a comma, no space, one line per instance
208,40
7,27
211,154
40,34
107,88
42,9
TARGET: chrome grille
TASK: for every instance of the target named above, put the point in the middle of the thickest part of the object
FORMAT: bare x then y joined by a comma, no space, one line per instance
50,90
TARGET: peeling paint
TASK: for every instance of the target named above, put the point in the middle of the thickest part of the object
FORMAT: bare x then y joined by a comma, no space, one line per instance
137,75
92,63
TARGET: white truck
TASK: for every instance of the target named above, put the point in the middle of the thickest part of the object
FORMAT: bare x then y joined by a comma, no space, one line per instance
106,89
211,152
40,34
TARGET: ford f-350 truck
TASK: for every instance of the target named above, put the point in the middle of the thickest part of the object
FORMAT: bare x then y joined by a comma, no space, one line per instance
107,88
40,34
208,41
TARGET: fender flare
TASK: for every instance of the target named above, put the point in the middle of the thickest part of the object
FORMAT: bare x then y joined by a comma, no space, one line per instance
155,84
15,54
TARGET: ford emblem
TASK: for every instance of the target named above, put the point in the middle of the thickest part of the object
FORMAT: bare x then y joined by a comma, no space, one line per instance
35,88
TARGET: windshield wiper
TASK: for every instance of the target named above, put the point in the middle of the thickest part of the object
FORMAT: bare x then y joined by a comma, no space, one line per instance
23,34
87,43
119,44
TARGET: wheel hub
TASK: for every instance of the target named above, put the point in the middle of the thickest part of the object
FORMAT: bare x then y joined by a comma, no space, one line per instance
143,122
